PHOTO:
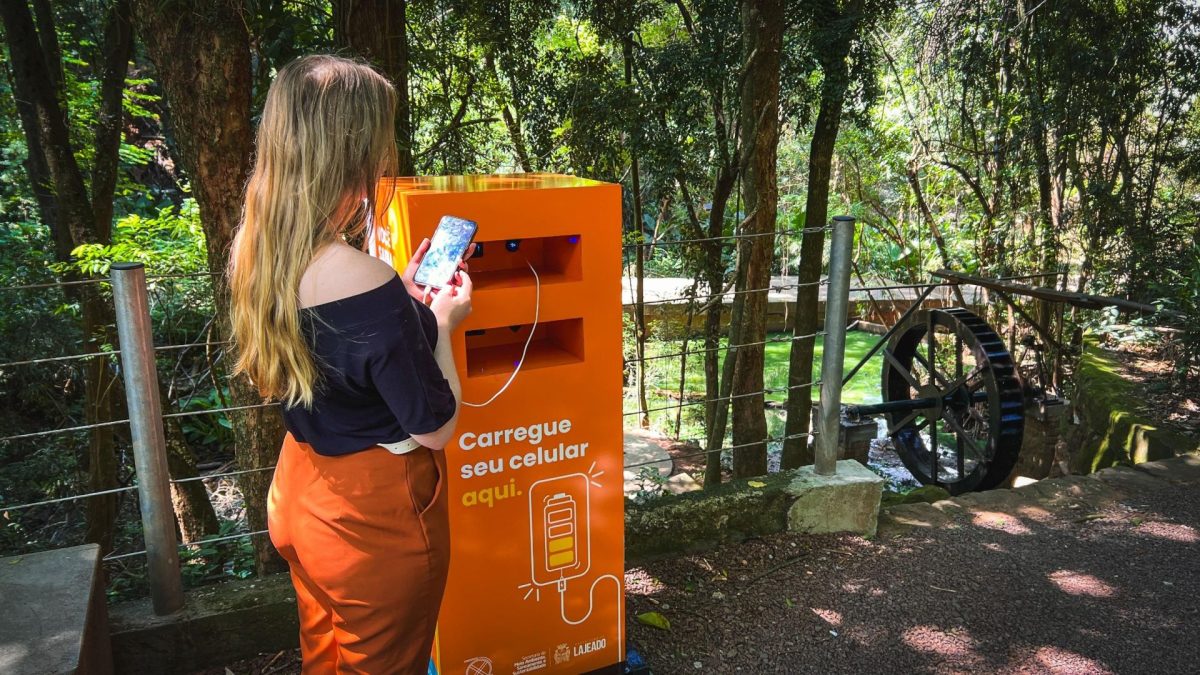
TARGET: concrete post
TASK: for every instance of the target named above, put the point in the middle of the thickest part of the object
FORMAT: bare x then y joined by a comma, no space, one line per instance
149,440
837,301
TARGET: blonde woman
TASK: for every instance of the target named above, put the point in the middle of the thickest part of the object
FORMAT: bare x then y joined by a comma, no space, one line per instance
362,366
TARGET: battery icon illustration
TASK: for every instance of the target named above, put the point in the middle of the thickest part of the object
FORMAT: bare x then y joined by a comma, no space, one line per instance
560,518
559,537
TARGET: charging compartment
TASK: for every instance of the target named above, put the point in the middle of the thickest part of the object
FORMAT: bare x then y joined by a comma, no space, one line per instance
497,351
557,259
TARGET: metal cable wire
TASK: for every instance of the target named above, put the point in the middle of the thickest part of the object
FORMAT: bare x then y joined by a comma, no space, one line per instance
767,390
84,427
941,284
194,413
55,284
101,280
87,495
115,352
51,432
709,296
19,507
190,275
218,343
780,233
202,542
222,475
780,439
56,359
791,338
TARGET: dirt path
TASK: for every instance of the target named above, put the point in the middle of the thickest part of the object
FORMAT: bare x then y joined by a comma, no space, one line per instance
1078,575
1075,575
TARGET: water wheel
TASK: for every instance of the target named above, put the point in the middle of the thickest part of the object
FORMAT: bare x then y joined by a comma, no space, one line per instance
953,403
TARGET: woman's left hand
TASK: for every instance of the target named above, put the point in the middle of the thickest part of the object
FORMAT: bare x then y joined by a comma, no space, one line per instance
411,271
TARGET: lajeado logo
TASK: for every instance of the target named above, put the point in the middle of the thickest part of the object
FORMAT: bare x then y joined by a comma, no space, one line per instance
590,646
562,653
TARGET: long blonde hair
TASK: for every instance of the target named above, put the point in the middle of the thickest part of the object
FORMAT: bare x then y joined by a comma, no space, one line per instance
325,139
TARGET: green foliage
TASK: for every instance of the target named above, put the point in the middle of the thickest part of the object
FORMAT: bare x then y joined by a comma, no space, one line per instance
170,241
212,430
209,561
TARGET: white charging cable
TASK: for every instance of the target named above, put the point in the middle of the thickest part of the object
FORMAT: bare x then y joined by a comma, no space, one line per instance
537,308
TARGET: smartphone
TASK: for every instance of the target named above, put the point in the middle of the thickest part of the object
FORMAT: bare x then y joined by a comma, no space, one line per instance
446,249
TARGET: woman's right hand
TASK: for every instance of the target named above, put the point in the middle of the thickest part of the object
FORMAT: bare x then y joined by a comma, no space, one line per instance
452,304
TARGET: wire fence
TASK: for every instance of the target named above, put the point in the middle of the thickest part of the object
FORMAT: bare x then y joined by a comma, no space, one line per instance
202,542
727,237
725,347
694,298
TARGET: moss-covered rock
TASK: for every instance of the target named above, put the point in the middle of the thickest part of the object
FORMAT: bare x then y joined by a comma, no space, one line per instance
1110,432
926,494
219,624
695,521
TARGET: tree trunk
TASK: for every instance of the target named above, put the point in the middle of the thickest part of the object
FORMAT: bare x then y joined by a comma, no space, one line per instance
203,62
67,208
914,182
639,308
713,273
512,124
687,337
193,510
796,449
377,30
762,42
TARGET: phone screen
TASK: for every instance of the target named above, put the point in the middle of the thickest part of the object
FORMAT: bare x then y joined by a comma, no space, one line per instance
446,249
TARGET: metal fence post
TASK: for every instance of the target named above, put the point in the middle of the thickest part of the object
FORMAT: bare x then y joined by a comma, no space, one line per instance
149,441
837,301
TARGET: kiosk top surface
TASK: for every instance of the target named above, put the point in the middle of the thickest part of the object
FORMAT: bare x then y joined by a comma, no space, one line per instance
489,182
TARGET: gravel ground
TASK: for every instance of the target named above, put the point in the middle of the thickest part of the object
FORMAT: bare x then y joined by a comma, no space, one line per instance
1046,585
1042,580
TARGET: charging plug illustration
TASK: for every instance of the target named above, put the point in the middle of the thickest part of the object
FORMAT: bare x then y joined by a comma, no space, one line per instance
560,542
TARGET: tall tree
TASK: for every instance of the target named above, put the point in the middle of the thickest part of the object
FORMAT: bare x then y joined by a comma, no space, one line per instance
66,206
377,30
202,56
762,44
838,29
79,211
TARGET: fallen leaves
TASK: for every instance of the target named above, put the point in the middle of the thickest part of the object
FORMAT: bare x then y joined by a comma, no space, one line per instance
655,620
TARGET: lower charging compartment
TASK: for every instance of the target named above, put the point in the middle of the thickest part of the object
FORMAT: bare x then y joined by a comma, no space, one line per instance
497,350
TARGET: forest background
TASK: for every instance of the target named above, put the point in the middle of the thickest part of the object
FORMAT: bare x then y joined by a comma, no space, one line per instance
988,136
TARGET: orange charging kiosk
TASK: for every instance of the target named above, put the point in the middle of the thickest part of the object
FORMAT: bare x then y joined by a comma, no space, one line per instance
535,477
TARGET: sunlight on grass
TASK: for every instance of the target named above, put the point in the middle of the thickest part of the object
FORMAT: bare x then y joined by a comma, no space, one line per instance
662,382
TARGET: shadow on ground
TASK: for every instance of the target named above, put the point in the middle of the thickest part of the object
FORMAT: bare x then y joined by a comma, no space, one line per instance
1066,581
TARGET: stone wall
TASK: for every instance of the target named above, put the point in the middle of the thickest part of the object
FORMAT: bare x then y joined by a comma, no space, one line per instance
1109,432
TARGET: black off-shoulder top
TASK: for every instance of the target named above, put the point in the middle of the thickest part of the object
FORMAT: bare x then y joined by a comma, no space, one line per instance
379,380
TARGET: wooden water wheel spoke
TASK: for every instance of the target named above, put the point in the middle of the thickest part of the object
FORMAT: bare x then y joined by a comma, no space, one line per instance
929,369
904,422
887,355
964,437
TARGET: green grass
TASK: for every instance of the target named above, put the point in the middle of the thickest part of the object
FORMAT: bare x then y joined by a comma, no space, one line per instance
662,381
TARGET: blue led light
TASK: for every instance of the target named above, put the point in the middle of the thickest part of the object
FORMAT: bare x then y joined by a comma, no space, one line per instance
574,239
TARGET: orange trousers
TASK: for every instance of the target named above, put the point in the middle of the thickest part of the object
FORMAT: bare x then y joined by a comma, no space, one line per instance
367,538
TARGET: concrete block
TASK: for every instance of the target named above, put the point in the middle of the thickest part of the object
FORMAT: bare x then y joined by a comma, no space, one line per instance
847,501
53,619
